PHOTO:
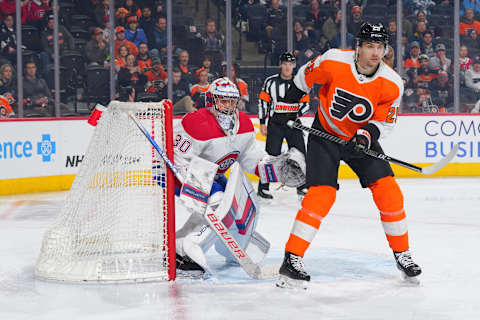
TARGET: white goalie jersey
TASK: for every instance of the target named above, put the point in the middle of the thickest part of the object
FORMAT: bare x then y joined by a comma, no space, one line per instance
198,134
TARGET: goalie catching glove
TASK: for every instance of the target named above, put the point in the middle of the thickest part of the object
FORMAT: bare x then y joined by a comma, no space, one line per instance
288,168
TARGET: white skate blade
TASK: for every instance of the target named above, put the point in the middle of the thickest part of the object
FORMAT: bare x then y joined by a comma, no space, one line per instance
288,283
413,281
192,274
269,272
264,201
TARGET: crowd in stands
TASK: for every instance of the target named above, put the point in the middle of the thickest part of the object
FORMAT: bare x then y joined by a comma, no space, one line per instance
427,41
140,48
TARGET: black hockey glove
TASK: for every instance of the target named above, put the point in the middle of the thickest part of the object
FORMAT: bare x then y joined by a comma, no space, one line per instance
362,140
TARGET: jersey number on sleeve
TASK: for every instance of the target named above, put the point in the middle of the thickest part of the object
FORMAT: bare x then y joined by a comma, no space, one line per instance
392,115
181,144
309,67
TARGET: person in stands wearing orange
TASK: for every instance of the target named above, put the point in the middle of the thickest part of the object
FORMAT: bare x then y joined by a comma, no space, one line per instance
121,57
412,61
143,59
468,23
360,97
121,17
206,65
121,41
184,66
157,77
5,108
131,76
132,8
241,85
198,90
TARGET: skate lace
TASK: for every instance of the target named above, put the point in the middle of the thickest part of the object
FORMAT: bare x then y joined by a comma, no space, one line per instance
297,263
405,259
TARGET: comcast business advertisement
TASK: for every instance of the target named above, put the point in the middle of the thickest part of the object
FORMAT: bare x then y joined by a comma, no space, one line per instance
57,147
427,139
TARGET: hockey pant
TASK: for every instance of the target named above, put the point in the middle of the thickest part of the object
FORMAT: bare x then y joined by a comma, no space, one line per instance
320,198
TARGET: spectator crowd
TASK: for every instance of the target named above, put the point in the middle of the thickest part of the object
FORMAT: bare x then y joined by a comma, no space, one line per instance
140,53
427,41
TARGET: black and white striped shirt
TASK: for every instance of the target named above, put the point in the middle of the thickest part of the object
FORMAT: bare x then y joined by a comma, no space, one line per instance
270,100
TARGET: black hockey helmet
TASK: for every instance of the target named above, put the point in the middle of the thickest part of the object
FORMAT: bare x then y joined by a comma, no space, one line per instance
288,57
372,33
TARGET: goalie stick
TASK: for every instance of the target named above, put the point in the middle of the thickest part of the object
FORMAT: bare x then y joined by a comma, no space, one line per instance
372,153
251,268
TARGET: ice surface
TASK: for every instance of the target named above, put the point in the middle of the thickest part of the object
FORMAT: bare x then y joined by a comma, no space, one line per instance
352,268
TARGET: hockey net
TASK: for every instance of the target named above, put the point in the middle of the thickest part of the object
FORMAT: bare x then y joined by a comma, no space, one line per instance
117,223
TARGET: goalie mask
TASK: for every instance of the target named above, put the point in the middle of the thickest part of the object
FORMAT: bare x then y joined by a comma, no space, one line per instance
222,98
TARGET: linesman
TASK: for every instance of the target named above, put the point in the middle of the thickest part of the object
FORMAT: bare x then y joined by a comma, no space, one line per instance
271,105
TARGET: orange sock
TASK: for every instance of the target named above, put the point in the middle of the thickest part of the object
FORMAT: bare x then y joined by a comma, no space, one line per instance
389,200
315,206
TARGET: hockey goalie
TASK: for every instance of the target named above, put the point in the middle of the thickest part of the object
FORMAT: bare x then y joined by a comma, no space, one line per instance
223,135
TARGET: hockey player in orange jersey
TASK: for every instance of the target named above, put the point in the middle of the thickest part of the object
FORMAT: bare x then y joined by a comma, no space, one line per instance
360,97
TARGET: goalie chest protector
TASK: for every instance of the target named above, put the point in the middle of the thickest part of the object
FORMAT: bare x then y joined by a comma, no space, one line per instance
200,134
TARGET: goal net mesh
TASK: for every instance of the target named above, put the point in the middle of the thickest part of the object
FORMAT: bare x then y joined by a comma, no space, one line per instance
116,222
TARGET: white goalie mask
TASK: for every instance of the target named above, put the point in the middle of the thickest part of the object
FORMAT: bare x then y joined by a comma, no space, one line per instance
222,98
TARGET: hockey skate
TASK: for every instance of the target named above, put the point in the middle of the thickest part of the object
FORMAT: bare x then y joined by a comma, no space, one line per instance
292,273
301,192
188,268
265,194
409,269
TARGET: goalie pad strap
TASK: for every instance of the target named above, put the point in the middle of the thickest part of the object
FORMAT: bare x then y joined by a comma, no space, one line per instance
267,173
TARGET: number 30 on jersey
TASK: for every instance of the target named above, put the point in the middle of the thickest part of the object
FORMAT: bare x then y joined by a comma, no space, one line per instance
181,143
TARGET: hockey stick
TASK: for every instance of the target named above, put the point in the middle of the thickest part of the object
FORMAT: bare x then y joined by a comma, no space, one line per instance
372,153
251,268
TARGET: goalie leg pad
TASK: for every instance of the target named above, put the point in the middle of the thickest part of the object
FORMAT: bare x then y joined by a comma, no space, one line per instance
195,245
193,224
195,238
238,211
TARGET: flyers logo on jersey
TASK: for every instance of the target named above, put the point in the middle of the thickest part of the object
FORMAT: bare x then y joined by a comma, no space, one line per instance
346,104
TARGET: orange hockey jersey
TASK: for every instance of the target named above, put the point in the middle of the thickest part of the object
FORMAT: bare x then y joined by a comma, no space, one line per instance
5,108
349,100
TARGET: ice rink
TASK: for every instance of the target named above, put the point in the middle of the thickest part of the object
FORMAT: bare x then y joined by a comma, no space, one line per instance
352,268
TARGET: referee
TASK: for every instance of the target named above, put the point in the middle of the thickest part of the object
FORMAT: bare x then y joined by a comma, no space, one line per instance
271,106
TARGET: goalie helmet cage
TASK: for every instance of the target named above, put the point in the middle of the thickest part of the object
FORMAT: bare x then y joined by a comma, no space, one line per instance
117,223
